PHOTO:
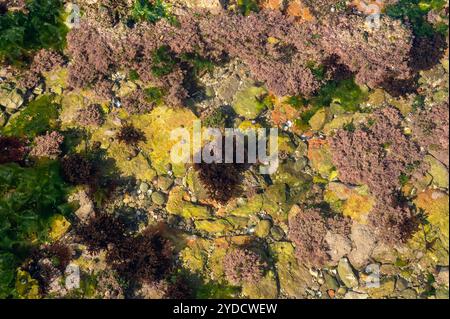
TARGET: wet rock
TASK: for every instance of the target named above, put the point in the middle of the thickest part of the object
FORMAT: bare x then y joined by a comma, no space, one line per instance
248,102
12,100
72,273
144,187
158,198
277,233
86,206
385,289
438,171
294,278
164,183
364,242
262,229
330,281
442,277
176,205
339,246
401,284
346,274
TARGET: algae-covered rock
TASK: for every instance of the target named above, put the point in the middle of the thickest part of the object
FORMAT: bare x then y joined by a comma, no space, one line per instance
26,287
318,120
294,278
176,205
265,289
438,171
59,225
56,80
195,185
216,226
11,99
249,102
262,229
157,127
195,256
435,233
385,289
320,157
39,116
158,198
354,202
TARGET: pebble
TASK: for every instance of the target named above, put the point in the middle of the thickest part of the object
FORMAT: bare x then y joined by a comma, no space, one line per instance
144,187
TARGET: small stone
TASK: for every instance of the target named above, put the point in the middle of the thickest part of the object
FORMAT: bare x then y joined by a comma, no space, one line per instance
144,187
164,183
262,229
277,233
401,284
346,274
158,198
12,100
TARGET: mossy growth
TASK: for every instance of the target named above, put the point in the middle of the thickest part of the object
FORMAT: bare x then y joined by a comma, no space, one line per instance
23,33
216,290
415,11
29,198
199,64
151,11
163,61
154,95
247,6
38,117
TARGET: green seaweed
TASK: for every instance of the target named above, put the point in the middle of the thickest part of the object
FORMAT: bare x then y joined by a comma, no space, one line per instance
415,11
29,198
38,117
144,10
23,33
215,290
346,93
247,6
154,95
163,61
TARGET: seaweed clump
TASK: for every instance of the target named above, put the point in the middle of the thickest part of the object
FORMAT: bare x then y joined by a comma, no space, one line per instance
12,149
136,103
308,229
91,115
48,145
100,231
431,130
222,181
377,154
78,170
243,266
145,258
129,135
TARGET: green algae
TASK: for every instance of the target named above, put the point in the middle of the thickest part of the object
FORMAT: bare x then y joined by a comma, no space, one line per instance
23,33
37,117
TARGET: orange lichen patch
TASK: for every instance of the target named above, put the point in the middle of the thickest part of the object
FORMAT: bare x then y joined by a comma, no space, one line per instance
369,6
299,10
283,112
273,4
